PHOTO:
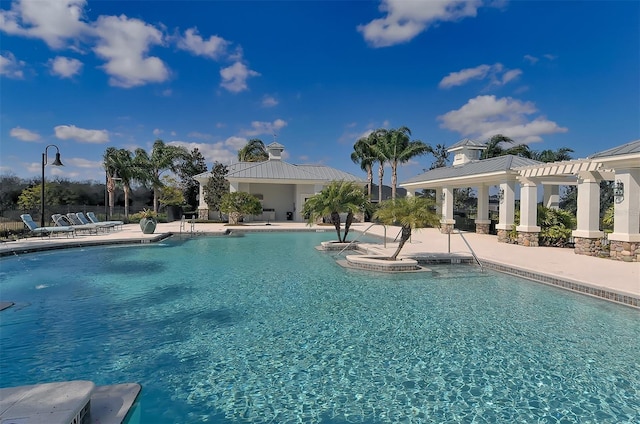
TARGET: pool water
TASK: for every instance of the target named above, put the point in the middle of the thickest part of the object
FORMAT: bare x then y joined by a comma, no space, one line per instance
265,328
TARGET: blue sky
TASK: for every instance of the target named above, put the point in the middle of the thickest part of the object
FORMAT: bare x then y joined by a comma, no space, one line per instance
87,75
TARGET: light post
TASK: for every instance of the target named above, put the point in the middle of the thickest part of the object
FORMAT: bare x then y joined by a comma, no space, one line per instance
56,162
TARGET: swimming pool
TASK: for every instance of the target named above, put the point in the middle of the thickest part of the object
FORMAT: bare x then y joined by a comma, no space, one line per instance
264,328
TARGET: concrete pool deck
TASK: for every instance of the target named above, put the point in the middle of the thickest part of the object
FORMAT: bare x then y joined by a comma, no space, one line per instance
613,280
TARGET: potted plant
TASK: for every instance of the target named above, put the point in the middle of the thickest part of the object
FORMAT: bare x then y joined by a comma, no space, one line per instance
148,221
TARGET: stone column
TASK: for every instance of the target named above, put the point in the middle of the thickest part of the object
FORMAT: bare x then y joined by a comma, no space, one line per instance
528,229
483,224
551,196
506,211
447,222
203,208
587,235
624,242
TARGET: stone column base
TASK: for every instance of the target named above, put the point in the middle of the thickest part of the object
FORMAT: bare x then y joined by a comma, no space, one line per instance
503,236
528,239
203,214
624,251
587,246
446,228
483,228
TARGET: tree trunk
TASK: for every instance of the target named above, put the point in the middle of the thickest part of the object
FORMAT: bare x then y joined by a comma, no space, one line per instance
111,188
347,224
369,180
394,178
127,193
406,234
380,177
335,219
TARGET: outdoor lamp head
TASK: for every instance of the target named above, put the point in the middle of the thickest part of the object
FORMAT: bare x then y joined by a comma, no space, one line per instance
57,162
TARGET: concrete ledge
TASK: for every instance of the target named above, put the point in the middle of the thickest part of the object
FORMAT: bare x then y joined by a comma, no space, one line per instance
338,246
382,263
111,404
5,305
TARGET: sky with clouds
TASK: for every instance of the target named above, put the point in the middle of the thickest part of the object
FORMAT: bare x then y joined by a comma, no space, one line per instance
313,75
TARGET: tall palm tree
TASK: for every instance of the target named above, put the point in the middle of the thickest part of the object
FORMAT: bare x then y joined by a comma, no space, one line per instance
397,148
441,154
253,151
149,168
411,213
362,154
548,155
123,162
377,137
337,197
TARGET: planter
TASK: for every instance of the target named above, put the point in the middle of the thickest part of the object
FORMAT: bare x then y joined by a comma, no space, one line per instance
148,225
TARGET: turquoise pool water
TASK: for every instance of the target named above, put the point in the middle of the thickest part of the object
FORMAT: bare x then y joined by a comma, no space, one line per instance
264,328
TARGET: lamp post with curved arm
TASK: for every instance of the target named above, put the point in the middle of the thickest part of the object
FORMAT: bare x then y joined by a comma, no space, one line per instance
56,162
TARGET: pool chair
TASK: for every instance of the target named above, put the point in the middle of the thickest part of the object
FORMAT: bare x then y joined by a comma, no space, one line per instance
33,227
94,219
101,225
64,221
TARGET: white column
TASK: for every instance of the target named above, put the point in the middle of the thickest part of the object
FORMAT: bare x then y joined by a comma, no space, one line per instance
483,205
552,196
626,218
201,203
447,205
528,207
507,206
588,213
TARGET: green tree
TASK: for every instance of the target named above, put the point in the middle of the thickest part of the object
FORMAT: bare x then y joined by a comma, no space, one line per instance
193,165
562,154
216,187
170,192
364,156
163,157
556,226
119,166
441,155
396,148
336,198
253,151
495,148
410,213
238,204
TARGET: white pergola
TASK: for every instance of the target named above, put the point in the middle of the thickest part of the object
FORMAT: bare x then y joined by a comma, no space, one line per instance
620,164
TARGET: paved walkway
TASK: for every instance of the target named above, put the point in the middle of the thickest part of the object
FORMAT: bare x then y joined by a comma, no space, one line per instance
599,273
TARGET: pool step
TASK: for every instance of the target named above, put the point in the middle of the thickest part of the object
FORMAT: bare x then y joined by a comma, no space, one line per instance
69,402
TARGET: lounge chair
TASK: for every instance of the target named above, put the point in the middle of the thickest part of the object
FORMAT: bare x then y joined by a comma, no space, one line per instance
33,227
103,225
94,219
65,221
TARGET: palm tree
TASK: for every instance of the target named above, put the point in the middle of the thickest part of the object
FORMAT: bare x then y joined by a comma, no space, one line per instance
149,168
548,155
397,148
122,161
337,197
441,155
253,151
411,213
109,163
363,155
495,149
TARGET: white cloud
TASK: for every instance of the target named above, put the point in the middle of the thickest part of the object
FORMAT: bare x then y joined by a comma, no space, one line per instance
65,67
269,101
157,132
234,77
531,59
406,19
24,134
53,21
66,132
124,43
485,116
222,151
11,67
196,134
496,73
83,163
260,127
192,42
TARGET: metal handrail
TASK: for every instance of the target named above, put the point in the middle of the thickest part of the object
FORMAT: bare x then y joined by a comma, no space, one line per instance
362,234
470,249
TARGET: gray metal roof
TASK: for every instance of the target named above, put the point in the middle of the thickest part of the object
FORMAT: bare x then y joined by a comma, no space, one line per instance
283,172
476,167
625,149
468,143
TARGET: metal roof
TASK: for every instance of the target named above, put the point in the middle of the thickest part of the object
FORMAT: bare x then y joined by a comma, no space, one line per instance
274,171
476,167
466,142
625,149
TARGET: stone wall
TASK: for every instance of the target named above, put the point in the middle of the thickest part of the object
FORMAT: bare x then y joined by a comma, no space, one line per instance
587,246
203,214
528,239
503,236
624,251
446,228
